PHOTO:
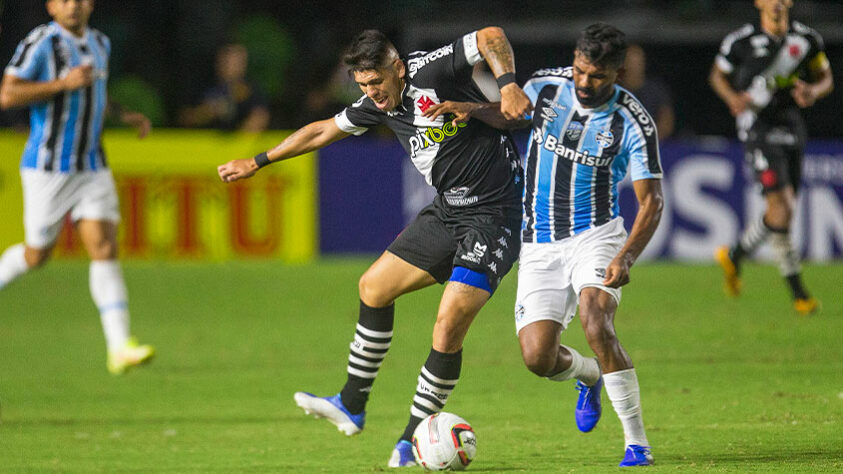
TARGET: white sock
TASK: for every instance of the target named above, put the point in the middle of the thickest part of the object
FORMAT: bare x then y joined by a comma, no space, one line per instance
109,293
622,389
582,368
12,264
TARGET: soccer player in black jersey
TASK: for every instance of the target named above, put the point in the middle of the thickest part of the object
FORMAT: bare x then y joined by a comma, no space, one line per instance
765,73
468,237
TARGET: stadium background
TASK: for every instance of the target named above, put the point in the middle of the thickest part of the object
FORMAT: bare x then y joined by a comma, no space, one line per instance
358,194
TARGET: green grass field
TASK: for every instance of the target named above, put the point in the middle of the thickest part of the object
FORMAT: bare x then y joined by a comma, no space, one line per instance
727,385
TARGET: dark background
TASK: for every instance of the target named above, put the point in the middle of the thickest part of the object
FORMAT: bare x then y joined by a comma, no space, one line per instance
163,50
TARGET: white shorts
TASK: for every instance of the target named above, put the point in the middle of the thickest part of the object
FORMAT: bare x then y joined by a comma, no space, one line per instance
48,197
551,275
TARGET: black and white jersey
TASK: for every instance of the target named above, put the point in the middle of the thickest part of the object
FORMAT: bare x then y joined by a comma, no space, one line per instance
767,67
470,164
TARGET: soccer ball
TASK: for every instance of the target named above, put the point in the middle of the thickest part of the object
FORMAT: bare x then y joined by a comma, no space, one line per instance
444,441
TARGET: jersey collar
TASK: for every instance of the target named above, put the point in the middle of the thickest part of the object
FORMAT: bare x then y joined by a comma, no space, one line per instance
70,36
586,111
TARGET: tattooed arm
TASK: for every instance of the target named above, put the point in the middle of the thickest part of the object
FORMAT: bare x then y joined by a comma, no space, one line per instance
496,50
306,139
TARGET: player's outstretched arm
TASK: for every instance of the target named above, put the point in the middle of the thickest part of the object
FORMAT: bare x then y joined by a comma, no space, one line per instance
496,50
17,92
128,117
311,137
489,113
651,202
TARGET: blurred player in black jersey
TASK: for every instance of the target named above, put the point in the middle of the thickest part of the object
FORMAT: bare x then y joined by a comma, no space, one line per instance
765,73
468,237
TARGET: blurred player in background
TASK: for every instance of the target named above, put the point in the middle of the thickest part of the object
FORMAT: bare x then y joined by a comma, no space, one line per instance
765,73
468,237
650,90
586,132
60,71
234,102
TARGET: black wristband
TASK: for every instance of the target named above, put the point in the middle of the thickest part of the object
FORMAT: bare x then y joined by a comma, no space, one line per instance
504,79
262,160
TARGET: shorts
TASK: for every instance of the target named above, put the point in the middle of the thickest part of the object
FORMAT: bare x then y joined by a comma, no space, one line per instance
48,197
775,156
552,275
485,240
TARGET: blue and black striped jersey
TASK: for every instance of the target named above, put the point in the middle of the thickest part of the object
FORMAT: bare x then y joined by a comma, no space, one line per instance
64,131
577,156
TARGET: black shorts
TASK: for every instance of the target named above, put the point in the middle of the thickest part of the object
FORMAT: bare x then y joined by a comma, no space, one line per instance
485,240
775,156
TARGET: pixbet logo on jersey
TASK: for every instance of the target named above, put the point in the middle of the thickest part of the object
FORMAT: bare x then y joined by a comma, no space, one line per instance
430,136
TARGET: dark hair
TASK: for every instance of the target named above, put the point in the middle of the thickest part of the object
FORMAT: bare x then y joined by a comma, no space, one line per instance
603,44
369,50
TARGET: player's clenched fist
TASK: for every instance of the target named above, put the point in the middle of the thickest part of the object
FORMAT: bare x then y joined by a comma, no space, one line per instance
79,77
237,169
514,102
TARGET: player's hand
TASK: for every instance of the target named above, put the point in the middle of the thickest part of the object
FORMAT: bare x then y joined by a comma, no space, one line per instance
515,105
617,273
79,77
237,169
461,110
739,102
138,121
803,94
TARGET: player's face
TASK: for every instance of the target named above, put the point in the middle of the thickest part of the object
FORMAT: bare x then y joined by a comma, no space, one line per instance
383,85
594,83
73,15
773,8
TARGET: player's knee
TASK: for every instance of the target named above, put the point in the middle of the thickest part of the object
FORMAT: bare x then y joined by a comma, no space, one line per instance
372,292
538,361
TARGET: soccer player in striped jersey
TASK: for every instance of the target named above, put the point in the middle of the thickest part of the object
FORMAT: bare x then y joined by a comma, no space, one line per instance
765,72
586,133
60,71
467,238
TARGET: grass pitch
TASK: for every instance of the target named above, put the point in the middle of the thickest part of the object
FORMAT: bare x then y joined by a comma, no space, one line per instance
727,385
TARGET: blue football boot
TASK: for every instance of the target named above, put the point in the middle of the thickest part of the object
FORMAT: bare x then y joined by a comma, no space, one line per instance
332,409
637,455
589,408
402,455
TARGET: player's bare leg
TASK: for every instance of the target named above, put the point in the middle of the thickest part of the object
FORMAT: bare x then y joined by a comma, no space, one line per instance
19,259
779,215
441,371
545,357
597,313
386,279
109,293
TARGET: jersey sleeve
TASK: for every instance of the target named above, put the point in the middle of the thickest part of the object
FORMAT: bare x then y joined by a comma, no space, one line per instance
451,64
729,55
817,59
641,142
357,118
30,59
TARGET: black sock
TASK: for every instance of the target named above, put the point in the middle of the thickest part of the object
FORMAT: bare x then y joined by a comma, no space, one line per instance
796,288
368,349
437,379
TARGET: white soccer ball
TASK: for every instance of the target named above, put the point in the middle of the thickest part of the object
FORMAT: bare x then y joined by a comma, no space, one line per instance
444,441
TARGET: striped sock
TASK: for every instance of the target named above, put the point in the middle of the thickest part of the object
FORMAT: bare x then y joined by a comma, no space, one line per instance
750,240
437,380
789,263
368,349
